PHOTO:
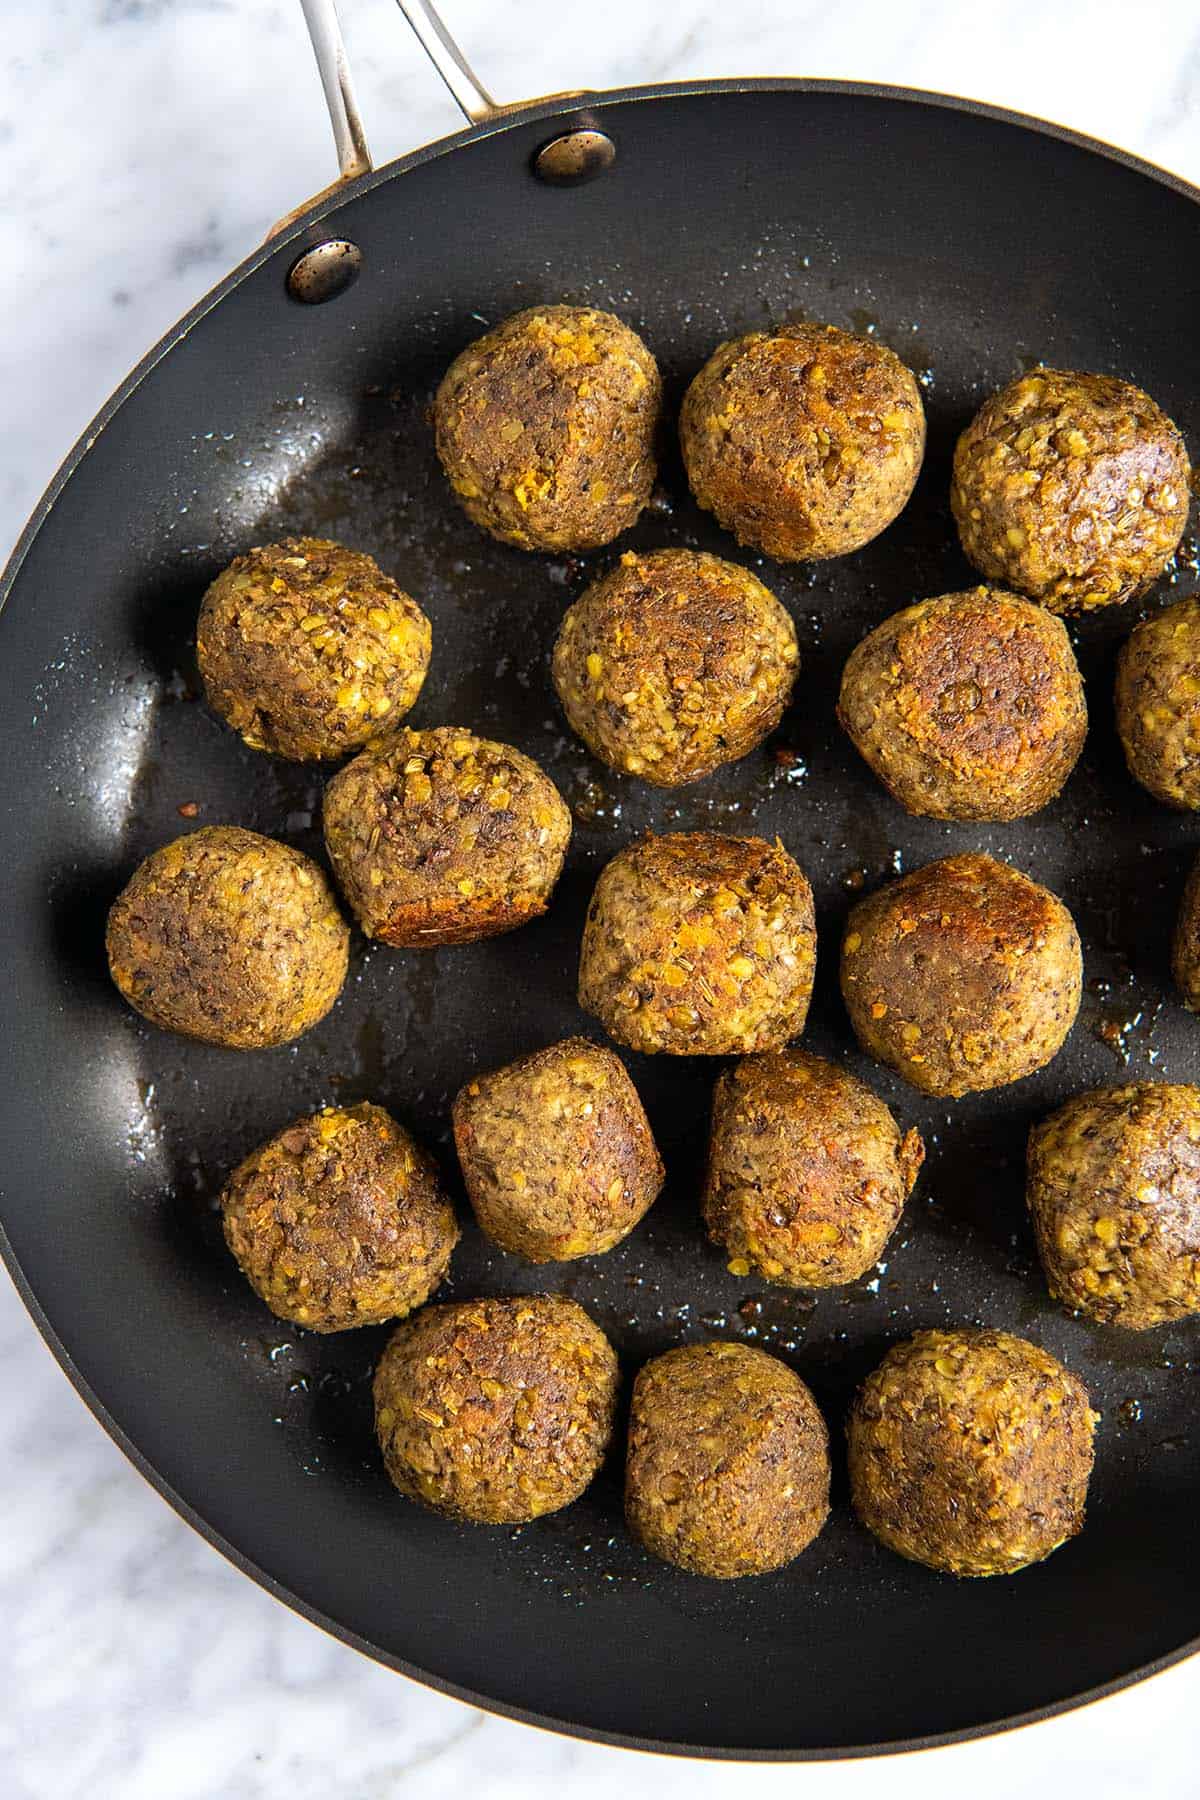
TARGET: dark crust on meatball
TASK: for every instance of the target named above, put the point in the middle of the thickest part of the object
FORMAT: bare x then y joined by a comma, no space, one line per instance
728,1461
1158,704
440,837
1071,488
963,975
545,427
1185,945
557,1153
340,1220
805,442
309,650
970,706
1114,1192
496,1411
230,938
673,664
807,1171
699,945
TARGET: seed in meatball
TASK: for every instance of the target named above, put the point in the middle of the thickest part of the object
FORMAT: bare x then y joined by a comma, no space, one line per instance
807,1171
805,442
557,1153
228,937
309,650
545,428
1114,1192
1071,488
340,1220
698,944
727,1471
1185,945
963,975
496,1411
970,1452
441,837
1158,704
673,664
967,707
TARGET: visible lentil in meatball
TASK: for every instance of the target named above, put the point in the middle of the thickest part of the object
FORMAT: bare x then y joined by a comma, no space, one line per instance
496,1411
1158,704
970,1451
1185,945
962,975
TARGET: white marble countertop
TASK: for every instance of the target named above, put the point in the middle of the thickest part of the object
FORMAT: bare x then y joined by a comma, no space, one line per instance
145,147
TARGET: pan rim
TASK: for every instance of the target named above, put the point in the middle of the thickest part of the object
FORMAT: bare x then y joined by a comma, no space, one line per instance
324,208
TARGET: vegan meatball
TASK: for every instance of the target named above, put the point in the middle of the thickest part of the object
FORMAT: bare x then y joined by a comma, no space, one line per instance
557,1153
970,1451
228,937
673,664
699,945
496,1410
340,1220
963,975
807,1171
967,707
309,650
545,428
1185,947
1158,704
805,442
440,837
1114,1192
1071,488
728,1462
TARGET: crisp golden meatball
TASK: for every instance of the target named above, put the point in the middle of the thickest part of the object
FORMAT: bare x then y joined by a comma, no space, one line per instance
557,1153
727,1471
441,837
1185,945
963,975
970,706
1114,1192
309,650
805,442
807,1171
1071,488
699,945
673,664
340,1220
545,428
970,1451
228,937
1158,704
496,1410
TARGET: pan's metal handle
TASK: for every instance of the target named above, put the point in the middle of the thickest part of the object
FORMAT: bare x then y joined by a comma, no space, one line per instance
468,91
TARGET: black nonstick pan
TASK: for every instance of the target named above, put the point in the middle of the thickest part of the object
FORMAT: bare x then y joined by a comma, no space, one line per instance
973,242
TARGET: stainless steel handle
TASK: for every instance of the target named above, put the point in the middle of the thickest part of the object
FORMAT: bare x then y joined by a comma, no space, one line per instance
333,65
468,91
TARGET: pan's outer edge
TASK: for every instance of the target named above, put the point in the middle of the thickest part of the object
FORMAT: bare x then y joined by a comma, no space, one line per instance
297,231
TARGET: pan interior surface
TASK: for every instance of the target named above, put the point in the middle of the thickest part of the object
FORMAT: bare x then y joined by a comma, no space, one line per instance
975,248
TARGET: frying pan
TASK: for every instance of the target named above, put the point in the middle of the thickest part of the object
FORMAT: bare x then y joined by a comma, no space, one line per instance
974,242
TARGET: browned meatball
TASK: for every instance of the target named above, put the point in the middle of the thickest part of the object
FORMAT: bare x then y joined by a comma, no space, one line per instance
309,650
970,1451
340,1220
728,1462
1158,704
699,945
1071,488
545,428
807,1171
496,1410
1185,946
967,707
963,975
805,442
228,937
1114,1192
557,1153
440,837
673,664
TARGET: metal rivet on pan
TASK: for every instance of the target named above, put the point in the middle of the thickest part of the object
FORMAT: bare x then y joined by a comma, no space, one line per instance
579,156
325,271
